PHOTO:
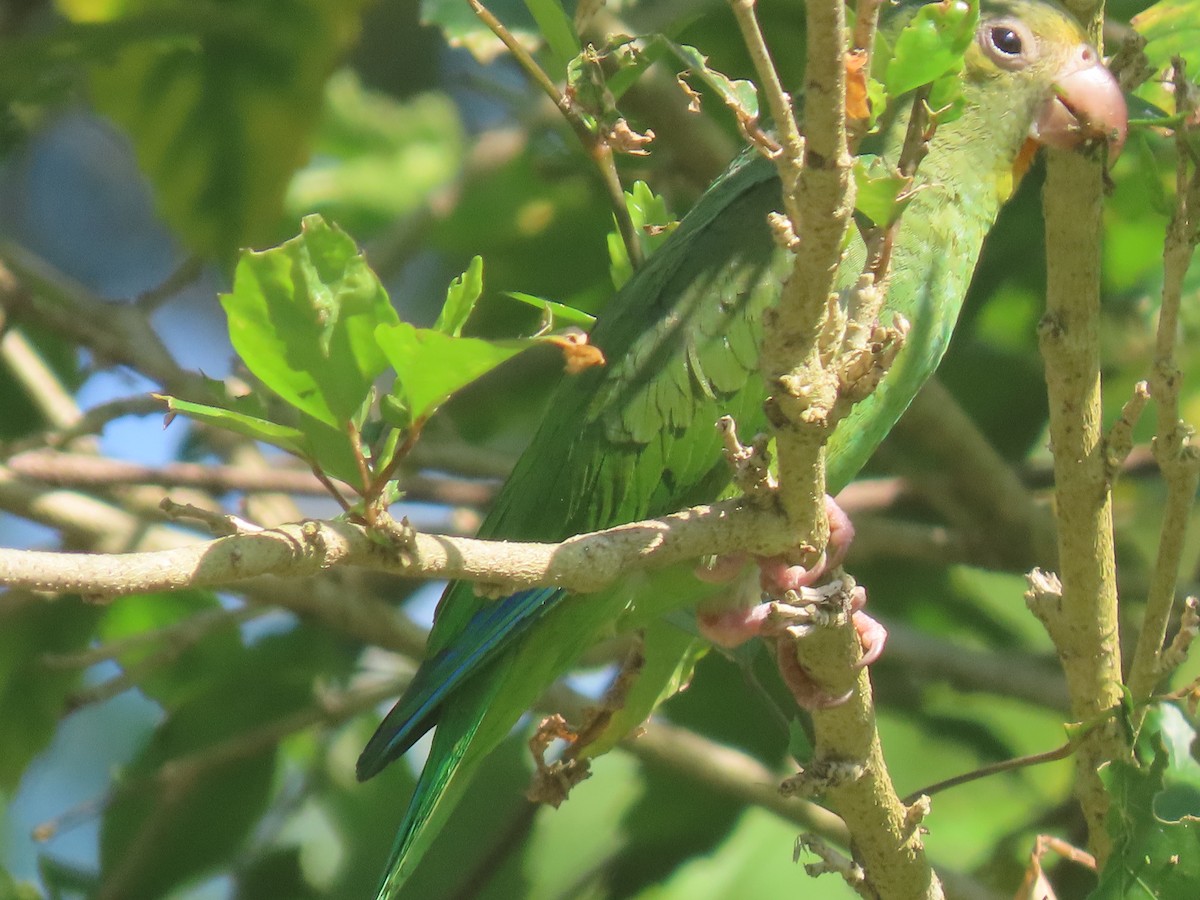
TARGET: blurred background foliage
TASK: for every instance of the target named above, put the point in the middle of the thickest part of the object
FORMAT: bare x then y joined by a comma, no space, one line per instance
202,745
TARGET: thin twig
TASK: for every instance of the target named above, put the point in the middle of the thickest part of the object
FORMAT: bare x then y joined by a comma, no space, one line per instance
186,273
79,470
40,382
594,144
90,422
1174,451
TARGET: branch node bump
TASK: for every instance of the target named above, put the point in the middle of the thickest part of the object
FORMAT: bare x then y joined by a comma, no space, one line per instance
1189,626
821,777
751,465
783,232
1043,596
916,813
830,862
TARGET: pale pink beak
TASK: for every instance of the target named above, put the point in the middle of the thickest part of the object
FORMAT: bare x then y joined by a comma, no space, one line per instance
1088,108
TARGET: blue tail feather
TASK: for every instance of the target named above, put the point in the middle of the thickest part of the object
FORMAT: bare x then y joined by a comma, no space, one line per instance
489,632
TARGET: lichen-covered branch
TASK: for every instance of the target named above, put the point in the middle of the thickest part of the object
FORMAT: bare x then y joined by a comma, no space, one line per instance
806,397
1083,623
1174,451
582,564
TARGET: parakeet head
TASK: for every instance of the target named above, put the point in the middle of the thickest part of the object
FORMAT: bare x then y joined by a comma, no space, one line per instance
1030,78
1026,46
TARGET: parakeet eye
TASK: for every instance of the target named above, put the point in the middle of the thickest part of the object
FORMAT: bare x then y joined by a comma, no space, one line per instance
1006,40
1007,43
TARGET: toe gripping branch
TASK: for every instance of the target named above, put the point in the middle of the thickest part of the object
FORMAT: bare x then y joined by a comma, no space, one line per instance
793,605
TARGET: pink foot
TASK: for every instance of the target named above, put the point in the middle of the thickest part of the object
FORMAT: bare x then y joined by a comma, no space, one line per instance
731,628
793,607
871,633
778,576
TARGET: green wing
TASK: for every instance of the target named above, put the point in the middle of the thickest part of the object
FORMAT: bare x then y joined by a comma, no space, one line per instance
636,439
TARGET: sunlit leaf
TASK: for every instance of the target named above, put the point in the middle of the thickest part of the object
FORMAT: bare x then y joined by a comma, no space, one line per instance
302,317
282,436
1171,28
431,366
219,127
377,158
560,314
652,223
556,28
931,44
463,28
739,94
1153,820
461,297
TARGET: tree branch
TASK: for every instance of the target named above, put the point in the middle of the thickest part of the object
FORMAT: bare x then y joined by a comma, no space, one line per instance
1083,623
1176,455
84,471
582,564
807,396
335,601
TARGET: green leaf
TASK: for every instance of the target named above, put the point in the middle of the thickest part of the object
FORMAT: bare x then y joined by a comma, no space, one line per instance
32,694
800,747
628,58
283,436
364,815
560,313
1171,28
461,297
154,839
302,317
331,449
1179,800
462,28
653,224
169,671
20,890
931,45
754,860
557,29
878,190
314,441
377,159
431,366
1155,815
220,100
740,95
64,879
277,873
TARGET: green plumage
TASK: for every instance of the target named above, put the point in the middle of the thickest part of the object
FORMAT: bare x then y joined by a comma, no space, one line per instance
636,438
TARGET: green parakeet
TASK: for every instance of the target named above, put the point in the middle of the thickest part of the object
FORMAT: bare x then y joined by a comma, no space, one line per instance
636,438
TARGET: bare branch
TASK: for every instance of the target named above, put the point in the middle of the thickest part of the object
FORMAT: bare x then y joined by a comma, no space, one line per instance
1086,616
581,564
1174,451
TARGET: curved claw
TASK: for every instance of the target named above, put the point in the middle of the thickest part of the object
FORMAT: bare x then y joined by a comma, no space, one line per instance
807,693
778,576
872,635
